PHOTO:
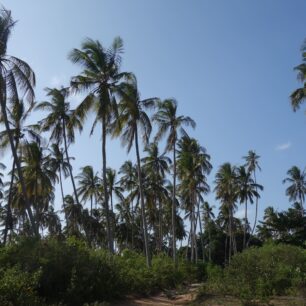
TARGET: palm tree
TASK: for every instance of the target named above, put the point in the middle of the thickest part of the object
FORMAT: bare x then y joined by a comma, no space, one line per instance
17,116
227,191
169,122
247,189
100,77
113,187
299,95
208,216
297,188
252,164
89,184
58,163
61,123
132,118
39,177
156,166
15,76
193,165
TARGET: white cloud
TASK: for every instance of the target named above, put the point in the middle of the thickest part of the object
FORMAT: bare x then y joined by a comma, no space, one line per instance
283,146
58,81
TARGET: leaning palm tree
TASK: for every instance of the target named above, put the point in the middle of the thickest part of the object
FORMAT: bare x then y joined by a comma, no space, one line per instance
132,120
297,188
60,123
18,114
169,122
15,76
99,78
247,190
89,184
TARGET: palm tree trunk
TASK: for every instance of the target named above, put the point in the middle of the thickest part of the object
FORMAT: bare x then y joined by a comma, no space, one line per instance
91,205
61,184
8,219
256,212
109,227
69,165
209,243
18,166
201,233
173,219
144,221
245,223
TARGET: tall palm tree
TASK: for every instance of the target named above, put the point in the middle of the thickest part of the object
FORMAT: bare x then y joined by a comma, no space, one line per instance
132,119
156,166
113,187
60,123
99,78
18,113
297,188
193,165
170,122
227,192
89,184
16,76
252,164
208,216
247,190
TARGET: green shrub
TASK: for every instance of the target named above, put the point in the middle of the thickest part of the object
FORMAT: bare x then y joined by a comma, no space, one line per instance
18,287
259,273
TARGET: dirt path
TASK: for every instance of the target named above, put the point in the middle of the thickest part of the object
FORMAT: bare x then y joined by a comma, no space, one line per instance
162,299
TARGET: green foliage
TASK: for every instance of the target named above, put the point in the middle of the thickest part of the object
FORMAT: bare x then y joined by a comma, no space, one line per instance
18,287
72,273
259,273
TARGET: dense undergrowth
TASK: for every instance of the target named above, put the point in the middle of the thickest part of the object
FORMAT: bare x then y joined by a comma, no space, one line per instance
257,274
68,272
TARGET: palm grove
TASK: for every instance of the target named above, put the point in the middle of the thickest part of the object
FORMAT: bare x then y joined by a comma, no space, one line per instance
146,206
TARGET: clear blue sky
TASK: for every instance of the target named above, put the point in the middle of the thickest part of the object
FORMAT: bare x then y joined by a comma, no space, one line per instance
228,63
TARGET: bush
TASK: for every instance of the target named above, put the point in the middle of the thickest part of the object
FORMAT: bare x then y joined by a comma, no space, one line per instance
71,273
18,287
259,273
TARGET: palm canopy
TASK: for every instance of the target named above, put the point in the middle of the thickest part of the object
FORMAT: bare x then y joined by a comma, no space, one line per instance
132,113
226,185
247,188
252,161
167,120
297,188
16,76
299,95
155,163
59,119
89,184
99,78
18,114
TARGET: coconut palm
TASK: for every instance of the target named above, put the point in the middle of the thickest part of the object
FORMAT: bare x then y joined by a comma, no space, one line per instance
16,77
89,184
133,120
156,166
169,122
60,123
252,164
113,187
247,190
227,192
208,216
297,188
99,78
58,163
17,113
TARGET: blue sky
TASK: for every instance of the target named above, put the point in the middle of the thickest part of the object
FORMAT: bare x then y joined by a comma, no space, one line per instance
228,63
